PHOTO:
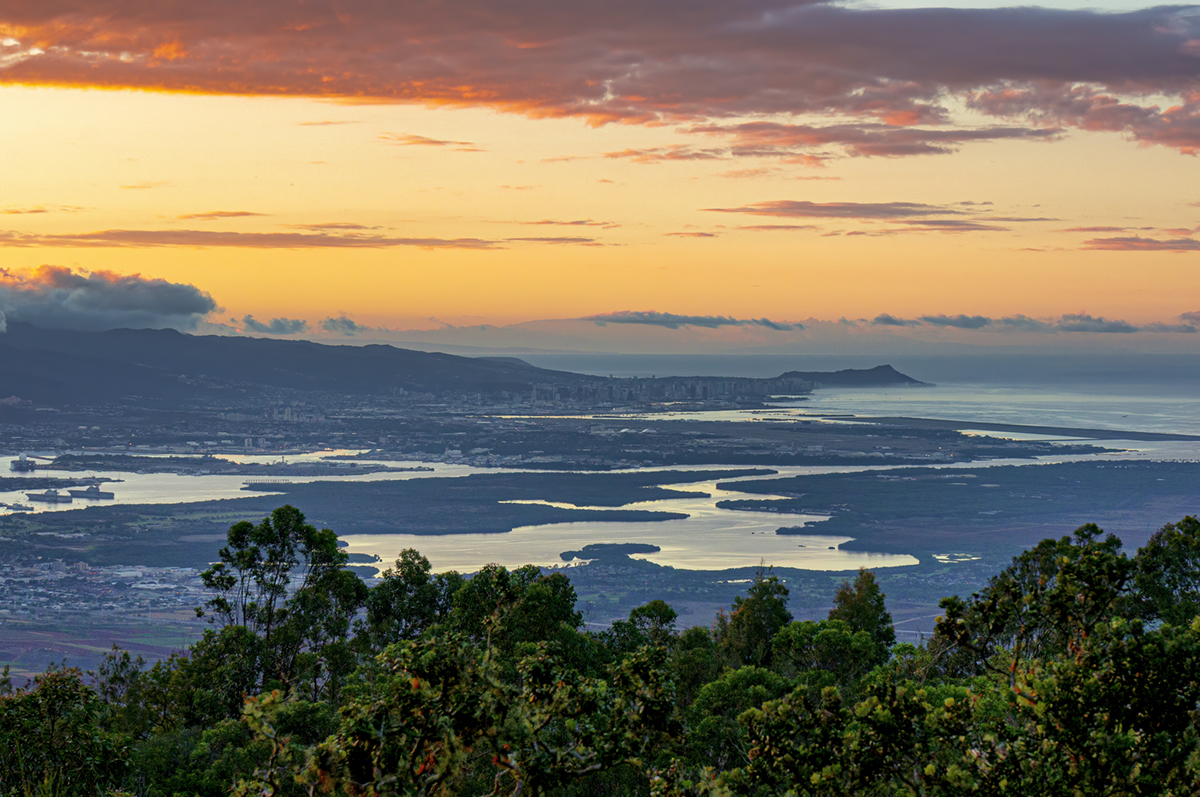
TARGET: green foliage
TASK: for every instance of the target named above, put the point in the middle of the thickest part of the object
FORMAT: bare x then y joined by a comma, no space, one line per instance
713,735
746,634
441,707
861,606
199,762
409,601
120,684
1050,598
1076,671
1119,717
50,742
1168,573
651,624
696,661
827,653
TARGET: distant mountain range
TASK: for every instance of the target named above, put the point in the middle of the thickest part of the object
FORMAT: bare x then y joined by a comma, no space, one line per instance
67,367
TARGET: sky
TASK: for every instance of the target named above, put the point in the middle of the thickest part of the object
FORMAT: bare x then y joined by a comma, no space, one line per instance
623,175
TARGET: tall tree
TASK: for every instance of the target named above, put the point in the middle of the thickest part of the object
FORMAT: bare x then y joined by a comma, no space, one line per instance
747,632
860,604
1051,597
827,653
1167,580
408,601
283,581
650,624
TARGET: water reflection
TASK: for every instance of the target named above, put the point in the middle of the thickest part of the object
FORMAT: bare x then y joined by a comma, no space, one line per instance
710,538
176,488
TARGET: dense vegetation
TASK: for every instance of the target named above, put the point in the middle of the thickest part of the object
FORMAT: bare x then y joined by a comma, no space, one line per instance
1076,671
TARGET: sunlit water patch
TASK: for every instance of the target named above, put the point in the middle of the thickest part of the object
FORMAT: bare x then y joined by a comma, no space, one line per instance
709,538
175,488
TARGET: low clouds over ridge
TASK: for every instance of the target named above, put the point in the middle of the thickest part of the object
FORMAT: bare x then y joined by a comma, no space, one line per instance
889,320
276,326
959,321
674,321
55,297
342,325
691,61
1070,322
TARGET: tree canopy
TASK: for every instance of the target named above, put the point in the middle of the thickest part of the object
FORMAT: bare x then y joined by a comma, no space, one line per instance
1075,671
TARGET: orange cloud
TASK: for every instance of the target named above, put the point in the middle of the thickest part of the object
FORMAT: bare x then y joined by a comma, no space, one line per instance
608,225
411,140
676,152
38,209
214,215
558,240
841,210
638,62
1139,244
250,240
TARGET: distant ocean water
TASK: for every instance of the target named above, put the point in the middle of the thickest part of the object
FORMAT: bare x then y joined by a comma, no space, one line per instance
1146,393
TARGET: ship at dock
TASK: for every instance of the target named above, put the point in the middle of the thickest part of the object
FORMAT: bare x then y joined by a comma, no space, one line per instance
92,492
49,497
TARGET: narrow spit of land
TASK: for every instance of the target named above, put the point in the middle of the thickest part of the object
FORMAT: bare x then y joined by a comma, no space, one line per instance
1015,428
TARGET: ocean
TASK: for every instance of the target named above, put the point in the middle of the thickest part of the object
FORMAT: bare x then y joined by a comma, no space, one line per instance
1145,393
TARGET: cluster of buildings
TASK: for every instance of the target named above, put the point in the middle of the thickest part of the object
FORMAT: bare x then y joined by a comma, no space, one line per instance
59,590
695,388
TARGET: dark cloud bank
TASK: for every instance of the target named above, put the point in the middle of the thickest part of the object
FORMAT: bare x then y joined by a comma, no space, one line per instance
59,298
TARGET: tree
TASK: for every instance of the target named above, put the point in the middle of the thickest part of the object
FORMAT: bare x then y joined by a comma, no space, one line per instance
507,608
483,603
408,601
441,707
251,580
1167,580
315,649
695,661
861,606
296,636
51,742
746,634
713,736
1049,599
650,624
896,740
827,653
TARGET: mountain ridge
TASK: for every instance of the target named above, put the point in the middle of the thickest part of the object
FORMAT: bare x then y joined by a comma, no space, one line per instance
61,366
